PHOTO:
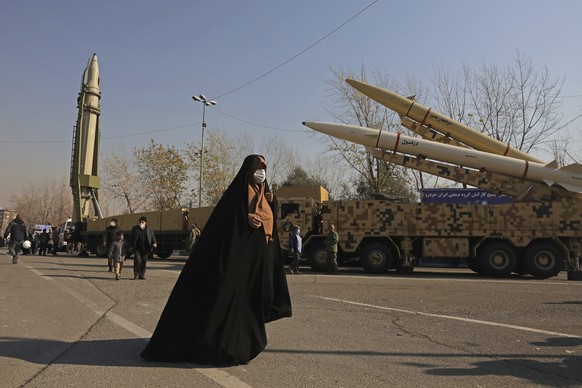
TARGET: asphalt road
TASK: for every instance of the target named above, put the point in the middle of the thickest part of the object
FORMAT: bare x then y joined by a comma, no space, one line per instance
64,321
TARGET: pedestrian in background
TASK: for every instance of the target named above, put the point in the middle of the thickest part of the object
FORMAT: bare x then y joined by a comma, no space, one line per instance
331,241
143,244
56,239
51,242
117,253
17,232
295,246
108,239
43,244
35,242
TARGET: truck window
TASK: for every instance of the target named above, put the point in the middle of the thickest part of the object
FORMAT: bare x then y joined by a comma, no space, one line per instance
288,208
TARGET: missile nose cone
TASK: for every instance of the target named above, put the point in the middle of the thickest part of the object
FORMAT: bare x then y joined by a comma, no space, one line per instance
92,75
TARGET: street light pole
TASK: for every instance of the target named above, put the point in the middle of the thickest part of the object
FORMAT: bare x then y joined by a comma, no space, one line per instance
205,103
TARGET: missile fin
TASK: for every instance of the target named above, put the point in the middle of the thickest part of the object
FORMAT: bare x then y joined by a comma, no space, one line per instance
575,168
553,164
569,187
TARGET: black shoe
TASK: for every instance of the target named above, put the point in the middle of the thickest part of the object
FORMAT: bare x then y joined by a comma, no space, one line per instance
142,278
14,260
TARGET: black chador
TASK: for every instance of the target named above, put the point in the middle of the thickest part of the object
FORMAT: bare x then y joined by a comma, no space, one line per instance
232,284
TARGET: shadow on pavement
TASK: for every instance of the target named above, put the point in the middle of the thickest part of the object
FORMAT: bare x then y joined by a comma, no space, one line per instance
559,371
112,352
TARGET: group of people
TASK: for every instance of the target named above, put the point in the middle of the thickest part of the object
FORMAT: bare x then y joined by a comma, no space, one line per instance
45,242
141,244
296,247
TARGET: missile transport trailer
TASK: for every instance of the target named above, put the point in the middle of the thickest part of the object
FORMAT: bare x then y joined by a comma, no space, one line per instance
171,228
494,240
536,234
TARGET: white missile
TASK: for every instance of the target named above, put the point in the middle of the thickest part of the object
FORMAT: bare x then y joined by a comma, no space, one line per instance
569,177
90,112
85,180
426,116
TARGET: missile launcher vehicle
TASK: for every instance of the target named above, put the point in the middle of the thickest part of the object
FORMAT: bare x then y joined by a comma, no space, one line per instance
538,233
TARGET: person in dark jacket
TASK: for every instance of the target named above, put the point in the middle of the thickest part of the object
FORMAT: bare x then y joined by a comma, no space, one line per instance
143,243
17,232
232,284
108,239
43,242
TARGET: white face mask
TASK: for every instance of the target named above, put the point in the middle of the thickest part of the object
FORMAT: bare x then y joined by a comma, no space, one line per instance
260,175
142,225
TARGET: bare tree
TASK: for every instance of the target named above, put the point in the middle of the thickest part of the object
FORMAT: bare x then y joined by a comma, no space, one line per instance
223,155
165,170
120,180
280,158
49,201
352,107
518,105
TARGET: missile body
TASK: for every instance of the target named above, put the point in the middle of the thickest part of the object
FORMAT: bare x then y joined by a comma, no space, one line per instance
426,116
569,177
85,155
90,112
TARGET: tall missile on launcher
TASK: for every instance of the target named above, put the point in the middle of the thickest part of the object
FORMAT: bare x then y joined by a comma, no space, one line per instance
569,177
85,151
426,116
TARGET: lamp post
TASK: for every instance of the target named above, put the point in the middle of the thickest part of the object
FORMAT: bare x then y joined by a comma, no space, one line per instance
205,103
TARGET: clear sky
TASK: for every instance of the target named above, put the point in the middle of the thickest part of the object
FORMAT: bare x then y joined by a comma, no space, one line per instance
154,55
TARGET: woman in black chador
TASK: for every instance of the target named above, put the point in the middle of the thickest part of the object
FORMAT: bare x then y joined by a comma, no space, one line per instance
232,284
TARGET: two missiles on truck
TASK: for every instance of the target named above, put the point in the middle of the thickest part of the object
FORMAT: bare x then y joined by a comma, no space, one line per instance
569,177
426,116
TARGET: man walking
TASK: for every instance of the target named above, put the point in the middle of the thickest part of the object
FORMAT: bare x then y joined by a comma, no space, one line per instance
143,243
17,232
331,241
295,245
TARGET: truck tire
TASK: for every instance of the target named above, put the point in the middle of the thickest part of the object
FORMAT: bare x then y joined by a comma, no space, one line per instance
377,258
496,259
543,260
473,265
317,258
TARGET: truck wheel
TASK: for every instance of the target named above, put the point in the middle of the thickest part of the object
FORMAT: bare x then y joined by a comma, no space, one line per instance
101,250
317,257
473,265
377,258
543,260
497,259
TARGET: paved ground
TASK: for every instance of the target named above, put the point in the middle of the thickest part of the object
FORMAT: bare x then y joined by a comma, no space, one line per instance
64,321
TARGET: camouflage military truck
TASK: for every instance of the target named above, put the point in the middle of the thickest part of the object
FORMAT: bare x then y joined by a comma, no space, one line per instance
534,238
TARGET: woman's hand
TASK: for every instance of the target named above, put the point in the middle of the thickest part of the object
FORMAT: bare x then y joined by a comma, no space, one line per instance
254,220
269,197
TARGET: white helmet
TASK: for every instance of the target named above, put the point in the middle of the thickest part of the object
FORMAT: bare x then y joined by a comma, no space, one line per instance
26,244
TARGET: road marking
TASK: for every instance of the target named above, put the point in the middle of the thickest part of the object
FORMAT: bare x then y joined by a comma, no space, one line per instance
489,323
218,376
